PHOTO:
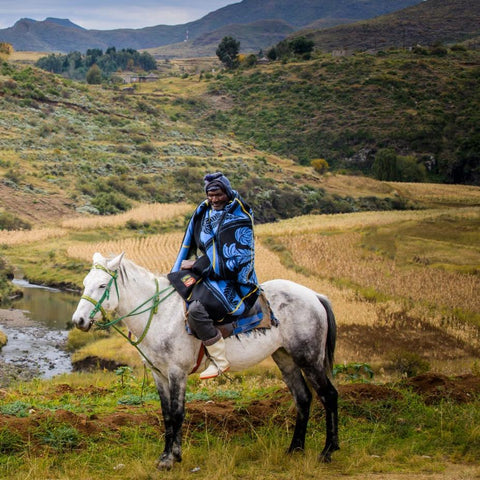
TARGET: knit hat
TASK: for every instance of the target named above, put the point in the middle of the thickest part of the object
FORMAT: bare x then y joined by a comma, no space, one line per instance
217,180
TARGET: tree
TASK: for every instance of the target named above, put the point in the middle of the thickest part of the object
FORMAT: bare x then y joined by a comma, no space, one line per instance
409,170
272,53
94,75
301,46
385,165
227,52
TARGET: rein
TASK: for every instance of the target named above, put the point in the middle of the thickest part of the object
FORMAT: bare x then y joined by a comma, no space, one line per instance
106,323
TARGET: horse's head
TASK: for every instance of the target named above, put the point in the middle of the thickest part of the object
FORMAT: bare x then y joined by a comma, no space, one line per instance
100,294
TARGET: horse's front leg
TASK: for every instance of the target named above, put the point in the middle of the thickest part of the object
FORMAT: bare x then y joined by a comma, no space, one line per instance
171,391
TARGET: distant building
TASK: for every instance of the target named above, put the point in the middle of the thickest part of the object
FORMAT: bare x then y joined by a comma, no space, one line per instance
263,60
130,77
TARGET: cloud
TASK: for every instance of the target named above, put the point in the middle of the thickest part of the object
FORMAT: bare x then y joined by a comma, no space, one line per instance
110,14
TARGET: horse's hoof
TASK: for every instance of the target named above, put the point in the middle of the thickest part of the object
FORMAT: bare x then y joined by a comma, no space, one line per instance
325,458
297,449
326,455
165,463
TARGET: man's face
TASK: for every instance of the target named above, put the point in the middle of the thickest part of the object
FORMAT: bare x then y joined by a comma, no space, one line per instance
217,199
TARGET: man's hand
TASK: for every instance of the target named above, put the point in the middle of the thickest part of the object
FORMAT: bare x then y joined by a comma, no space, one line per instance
187,264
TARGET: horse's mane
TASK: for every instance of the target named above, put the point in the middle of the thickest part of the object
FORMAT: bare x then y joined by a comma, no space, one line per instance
129,269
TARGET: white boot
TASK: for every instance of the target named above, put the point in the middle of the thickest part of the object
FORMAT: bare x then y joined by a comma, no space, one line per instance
218,360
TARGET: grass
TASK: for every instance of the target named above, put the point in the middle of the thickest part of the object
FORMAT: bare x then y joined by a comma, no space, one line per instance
397,435
390,436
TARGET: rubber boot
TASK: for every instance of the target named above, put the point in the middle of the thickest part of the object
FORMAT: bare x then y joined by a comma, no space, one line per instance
218,360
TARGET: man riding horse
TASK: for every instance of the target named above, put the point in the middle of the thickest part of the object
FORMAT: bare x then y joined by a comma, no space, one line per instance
214,270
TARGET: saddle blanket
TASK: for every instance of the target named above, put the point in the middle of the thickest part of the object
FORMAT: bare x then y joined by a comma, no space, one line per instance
259,316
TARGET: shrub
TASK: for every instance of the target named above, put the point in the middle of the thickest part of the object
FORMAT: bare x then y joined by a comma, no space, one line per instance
94,75
10,442
408,363
8,221
110,203
320,165
61,438
385,165
410,170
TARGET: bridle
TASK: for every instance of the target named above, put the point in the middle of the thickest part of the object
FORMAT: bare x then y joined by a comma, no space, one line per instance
97,304
106,322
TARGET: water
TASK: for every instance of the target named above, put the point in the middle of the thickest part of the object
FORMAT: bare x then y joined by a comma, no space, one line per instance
39,342
49,307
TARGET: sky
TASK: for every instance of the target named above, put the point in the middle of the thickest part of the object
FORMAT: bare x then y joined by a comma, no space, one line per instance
110,14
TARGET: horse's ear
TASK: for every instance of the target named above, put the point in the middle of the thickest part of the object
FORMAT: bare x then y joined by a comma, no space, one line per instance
98,258
114,263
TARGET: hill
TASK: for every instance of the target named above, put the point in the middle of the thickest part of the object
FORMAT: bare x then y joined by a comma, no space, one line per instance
71,147
54,35
429,22
422,104
253,37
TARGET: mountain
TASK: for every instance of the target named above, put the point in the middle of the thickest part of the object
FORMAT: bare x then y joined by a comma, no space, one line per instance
253,37
55,35
429,22
64,22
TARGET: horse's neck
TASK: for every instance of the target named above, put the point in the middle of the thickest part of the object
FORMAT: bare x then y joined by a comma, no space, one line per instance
136,286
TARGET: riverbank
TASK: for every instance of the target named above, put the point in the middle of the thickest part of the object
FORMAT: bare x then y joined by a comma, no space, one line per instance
31,350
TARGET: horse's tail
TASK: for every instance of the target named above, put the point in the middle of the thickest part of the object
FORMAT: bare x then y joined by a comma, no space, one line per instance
331,333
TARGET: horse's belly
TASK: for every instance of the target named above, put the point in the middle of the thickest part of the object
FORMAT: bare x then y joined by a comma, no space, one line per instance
249,349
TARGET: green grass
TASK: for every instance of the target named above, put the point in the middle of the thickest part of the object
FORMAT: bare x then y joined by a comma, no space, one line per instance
398,434
448,242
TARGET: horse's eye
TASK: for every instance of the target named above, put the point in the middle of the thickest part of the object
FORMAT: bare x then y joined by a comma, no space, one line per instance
103,286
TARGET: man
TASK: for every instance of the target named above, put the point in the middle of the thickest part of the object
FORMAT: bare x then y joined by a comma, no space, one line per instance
220,279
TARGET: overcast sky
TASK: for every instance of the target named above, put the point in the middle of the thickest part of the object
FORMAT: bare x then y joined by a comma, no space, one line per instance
110,14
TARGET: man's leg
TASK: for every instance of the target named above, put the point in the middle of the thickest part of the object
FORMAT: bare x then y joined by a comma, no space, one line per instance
202,326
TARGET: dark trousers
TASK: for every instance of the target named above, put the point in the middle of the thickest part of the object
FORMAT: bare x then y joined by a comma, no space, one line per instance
201,324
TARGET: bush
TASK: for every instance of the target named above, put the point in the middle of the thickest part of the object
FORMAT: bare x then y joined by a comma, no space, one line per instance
110,203
320,165
10,442
94,75
408,363
8,221
61,438
385,165
410,170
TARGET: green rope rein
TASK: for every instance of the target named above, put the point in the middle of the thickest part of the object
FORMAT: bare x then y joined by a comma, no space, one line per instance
155,298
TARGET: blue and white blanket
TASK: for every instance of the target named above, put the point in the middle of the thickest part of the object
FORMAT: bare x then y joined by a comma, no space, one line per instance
226,283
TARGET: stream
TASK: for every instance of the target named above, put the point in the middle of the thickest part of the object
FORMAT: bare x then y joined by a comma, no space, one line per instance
37,328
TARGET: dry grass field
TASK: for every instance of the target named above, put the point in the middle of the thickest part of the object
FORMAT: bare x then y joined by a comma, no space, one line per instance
398,280
157,212
401,297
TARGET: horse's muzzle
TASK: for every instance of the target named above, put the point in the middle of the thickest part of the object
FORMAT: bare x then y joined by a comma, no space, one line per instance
81,322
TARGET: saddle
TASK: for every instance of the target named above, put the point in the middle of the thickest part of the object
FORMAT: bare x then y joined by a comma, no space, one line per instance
258,317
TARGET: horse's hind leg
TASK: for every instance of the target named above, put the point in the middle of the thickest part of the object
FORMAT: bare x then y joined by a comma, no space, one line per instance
329,397
292,376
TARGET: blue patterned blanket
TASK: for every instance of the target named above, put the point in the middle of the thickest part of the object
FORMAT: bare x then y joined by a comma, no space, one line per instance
224,278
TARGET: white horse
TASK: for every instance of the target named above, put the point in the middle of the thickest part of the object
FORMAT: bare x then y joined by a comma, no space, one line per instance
302,345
